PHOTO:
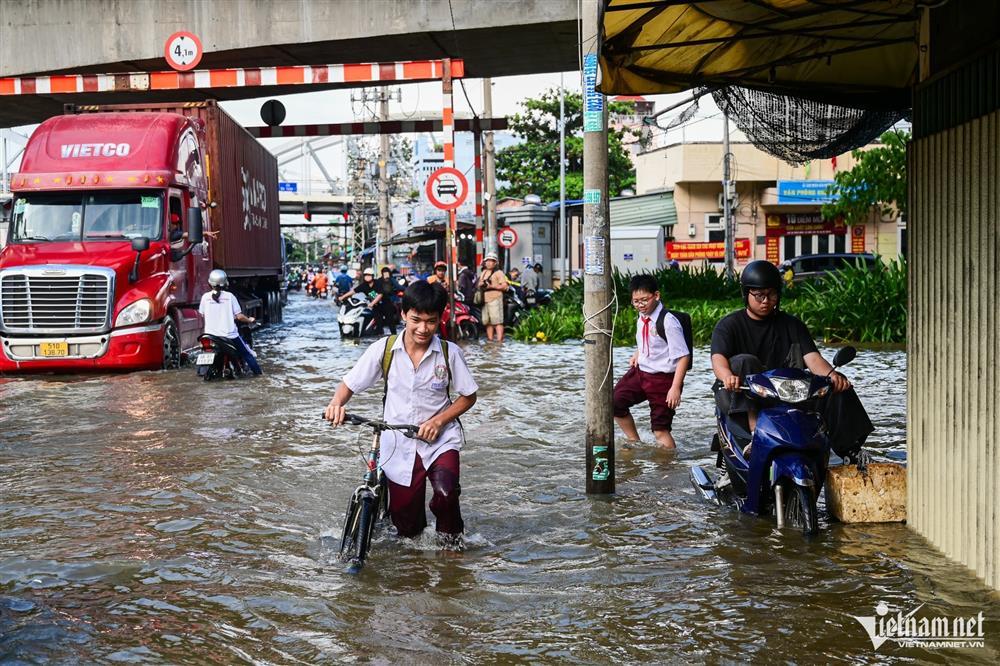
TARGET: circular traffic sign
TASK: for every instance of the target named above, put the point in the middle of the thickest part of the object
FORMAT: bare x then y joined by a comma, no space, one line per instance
272,112
183,51
447,188
507,238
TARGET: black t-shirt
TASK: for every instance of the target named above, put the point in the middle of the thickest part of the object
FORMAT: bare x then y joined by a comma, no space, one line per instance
385,287
780,341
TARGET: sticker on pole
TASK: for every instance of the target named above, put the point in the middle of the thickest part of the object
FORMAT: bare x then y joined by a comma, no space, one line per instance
506,238
183,51
447,188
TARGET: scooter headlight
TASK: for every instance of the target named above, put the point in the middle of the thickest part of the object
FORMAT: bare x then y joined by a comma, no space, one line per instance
791,390
135,313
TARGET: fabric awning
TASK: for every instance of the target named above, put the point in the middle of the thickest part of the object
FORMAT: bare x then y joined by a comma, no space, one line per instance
859,53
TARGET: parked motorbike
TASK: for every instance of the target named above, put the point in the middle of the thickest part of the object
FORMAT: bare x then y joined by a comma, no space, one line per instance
537,297
356,318
219,358
782,471
514,307
467,324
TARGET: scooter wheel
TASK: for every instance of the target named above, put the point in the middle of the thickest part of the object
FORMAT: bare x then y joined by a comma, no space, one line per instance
469,330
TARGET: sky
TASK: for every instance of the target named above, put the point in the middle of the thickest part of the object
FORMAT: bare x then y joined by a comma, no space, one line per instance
423,100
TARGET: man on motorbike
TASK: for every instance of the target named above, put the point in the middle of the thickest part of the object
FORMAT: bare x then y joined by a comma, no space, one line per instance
762,337
320,283
532,278
344,283
386,314
220,310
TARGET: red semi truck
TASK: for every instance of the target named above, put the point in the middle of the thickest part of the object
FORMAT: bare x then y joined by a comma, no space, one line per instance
93,276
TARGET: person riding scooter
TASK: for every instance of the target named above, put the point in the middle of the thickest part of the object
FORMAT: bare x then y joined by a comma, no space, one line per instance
344,283
220,311
761,337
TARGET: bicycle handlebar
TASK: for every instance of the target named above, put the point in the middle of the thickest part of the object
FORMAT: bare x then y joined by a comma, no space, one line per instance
405,428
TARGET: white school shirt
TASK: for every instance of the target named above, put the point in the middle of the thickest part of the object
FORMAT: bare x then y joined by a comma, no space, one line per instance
655,353
414,397
220,318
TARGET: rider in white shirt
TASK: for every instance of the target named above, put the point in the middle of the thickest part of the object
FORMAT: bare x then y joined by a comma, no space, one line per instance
221,310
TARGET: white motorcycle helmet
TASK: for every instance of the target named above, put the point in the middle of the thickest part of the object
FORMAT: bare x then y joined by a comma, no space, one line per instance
218,279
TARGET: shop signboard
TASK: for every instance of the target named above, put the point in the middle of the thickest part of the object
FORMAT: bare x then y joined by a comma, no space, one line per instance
804,192
802,224
858,239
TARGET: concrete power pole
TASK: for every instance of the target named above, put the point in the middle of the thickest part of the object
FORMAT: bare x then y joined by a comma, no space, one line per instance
563,229
384,225
597,282
490,180
727,203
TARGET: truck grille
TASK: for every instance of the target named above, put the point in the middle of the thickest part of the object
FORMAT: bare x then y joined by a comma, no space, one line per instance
47,300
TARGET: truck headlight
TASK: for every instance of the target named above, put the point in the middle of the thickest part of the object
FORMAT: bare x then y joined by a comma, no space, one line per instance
135,313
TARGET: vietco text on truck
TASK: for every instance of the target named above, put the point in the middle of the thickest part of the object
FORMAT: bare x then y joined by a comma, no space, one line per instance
89,280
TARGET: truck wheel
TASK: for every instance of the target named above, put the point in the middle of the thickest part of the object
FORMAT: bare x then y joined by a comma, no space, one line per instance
171,346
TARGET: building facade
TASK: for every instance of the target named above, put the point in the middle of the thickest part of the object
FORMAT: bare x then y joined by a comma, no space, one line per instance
776,205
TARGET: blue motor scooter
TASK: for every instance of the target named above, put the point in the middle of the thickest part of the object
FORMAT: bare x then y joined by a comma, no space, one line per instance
780,469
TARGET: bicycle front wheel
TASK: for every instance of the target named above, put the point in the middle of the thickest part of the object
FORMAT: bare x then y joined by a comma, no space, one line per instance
366,528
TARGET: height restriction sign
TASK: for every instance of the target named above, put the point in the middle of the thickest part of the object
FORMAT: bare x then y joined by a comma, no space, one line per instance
447,188
182,51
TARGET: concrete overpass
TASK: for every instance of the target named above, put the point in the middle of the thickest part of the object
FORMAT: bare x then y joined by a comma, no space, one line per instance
494,37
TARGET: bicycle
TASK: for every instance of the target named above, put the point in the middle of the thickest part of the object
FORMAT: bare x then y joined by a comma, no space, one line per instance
370,501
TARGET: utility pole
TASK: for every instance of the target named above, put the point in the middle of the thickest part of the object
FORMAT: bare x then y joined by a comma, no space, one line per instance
597,315
384,227
563,229
490,226
727,203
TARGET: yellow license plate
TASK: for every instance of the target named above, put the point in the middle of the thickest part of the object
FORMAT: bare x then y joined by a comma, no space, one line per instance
54,349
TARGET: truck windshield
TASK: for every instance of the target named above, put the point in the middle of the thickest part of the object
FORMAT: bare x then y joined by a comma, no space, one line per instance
88,216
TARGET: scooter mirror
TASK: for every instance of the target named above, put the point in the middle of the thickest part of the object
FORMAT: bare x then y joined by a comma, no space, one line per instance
844,356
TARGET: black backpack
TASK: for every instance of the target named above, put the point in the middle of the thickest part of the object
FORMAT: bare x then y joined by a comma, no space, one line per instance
684,319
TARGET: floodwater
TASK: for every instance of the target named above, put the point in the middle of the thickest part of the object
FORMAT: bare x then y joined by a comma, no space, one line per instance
151,517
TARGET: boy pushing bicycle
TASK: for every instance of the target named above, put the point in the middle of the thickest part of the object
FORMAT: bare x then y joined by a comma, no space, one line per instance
420,371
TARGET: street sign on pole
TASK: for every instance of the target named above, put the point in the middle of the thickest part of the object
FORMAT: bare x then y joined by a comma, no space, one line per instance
447,188
507,238
183,51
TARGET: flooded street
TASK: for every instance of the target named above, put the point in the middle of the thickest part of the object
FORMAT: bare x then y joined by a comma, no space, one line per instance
154,517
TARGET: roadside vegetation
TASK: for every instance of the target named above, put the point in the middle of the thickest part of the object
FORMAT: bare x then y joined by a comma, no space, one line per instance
851,305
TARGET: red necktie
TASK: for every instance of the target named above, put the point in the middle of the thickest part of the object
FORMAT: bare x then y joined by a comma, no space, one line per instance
645,335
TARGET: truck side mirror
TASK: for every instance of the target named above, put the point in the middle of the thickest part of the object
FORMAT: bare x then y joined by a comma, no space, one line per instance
140,245
195,233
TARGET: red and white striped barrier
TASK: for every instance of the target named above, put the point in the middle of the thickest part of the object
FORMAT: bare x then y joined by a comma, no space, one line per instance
373,72
378,127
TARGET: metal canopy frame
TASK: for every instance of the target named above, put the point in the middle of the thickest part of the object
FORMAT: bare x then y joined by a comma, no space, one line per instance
728,24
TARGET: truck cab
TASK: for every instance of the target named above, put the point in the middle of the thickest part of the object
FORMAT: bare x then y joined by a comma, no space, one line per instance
105,261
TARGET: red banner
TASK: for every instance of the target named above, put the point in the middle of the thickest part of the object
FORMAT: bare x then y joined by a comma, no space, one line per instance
773,245
857,240
685,251
802,224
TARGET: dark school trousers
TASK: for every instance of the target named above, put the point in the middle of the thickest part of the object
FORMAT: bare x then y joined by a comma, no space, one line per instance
406,503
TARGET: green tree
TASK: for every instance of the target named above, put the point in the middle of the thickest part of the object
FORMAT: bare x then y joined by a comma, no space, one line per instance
877,182
532,166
